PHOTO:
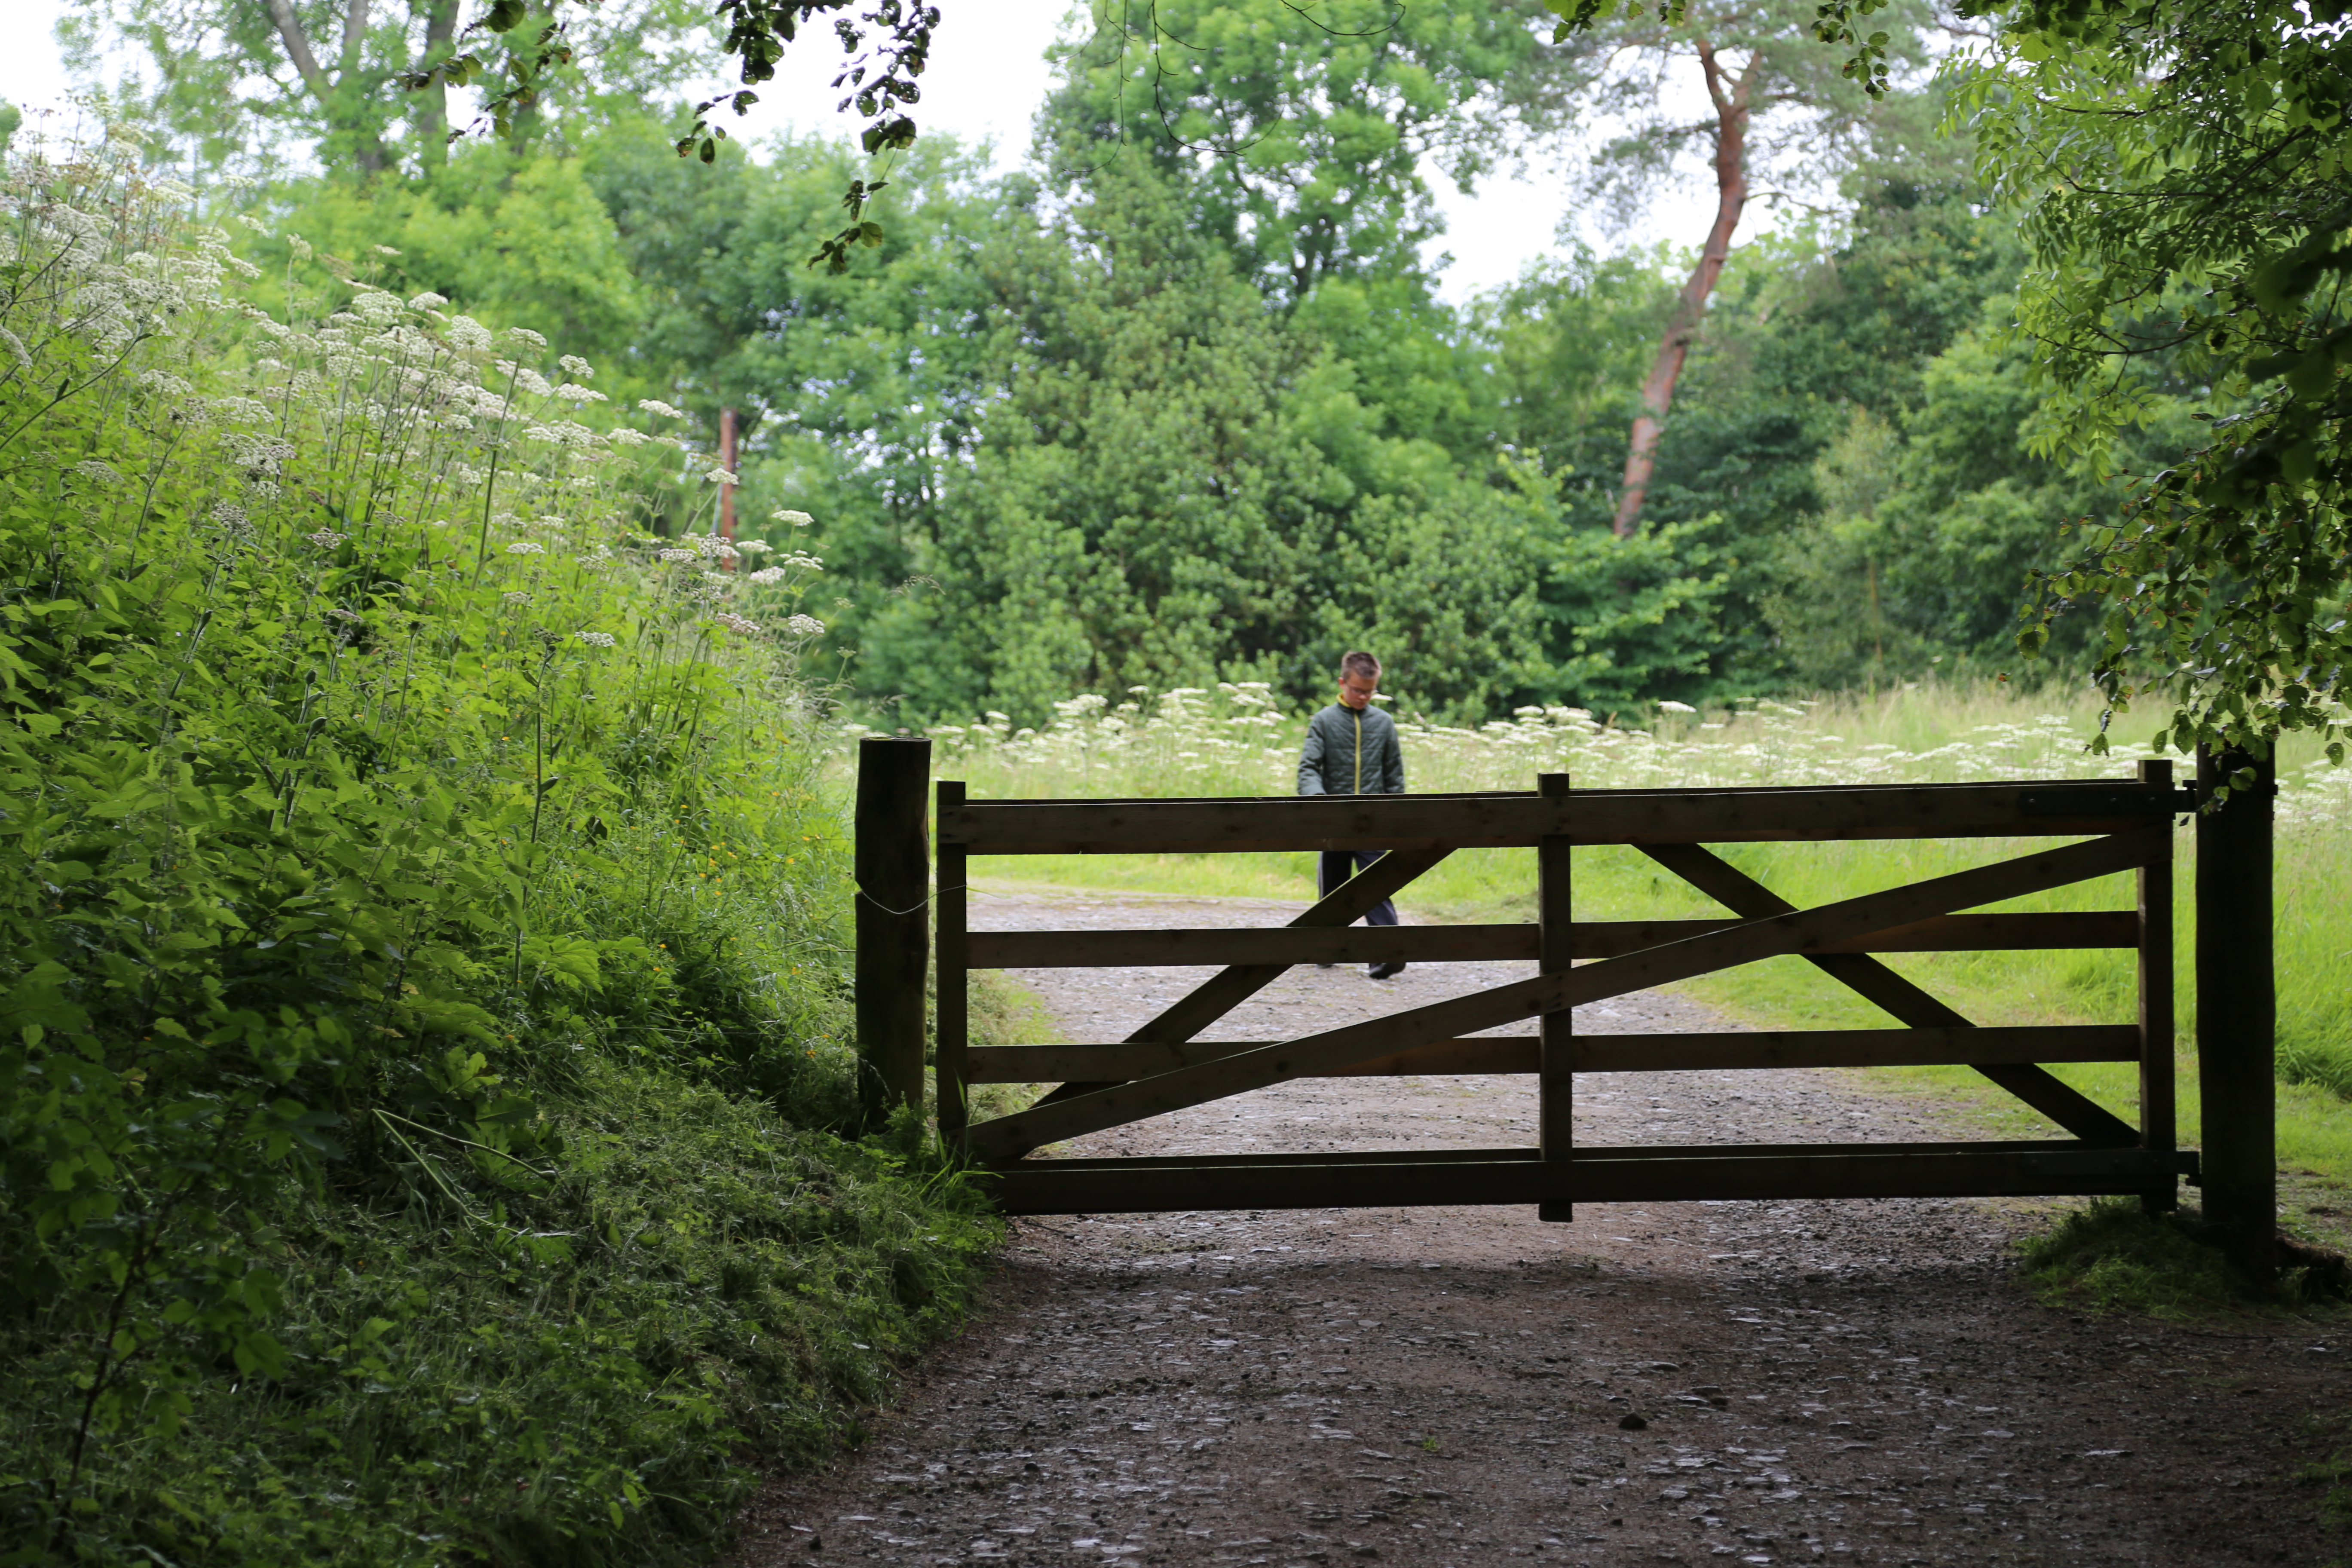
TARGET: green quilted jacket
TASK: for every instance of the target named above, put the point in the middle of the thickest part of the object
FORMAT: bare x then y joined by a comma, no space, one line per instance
1351,753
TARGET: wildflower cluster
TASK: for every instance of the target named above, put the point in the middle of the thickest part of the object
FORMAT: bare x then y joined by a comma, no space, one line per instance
1237,741
1185,741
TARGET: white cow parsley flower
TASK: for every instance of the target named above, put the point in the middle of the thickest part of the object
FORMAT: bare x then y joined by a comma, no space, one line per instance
241,410
797,518
804,626
597,639
258,456
468,334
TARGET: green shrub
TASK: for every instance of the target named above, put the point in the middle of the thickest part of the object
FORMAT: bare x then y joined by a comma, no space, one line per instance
422,1012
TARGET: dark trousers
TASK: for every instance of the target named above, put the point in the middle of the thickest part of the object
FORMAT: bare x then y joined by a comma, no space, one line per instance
1338,865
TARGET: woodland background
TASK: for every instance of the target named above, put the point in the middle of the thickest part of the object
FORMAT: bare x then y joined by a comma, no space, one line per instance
1179,401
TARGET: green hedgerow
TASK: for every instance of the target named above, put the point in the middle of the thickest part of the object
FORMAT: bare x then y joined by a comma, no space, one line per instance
423,1014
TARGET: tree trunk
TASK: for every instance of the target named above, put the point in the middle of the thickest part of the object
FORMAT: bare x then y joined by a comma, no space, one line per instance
342,96
524,41
1690,308
433,108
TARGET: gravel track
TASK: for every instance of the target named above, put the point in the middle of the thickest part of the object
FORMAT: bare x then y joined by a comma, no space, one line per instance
1851,1382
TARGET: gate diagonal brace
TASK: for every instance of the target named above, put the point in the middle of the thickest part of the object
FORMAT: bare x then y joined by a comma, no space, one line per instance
1219,994
1743,895
1009,1137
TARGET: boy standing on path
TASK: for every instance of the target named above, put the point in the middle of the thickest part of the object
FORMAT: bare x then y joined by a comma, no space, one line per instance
1351,749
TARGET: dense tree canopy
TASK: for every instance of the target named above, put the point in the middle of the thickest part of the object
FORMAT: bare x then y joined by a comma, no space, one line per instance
1300,137
1061,446
1184,404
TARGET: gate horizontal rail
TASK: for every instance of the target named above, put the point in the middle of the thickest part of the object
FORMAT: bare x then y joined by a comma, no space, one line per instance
1514,820
1599,1053
1438,944
2120,825
1619,1174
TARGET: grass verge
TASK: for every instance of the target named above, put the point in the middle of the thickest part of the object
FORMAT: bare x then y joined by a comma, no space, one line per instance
2110,1257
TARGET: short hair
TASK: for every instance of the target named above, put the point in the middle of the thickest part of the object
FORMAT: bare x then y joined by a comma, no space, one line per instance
1359,663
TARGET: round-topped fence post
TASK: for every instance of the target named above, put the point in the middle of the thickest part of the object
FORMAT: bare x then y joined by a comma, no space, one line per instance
2236,1009
893,864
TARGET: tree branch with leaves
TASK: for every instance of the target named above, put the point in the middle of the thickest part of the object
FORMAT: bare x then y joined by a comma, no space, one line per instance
2182,174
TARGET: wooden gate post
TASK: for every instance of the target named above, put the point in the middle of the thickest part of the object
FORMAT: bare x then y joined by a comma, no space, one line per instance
1556,1079
893,866
952,1023
2237,1010
2157,1129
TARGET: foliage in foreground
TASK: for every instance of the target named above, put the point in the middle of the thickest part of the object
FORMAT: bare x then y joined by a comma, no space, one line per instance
421,1005
577,1374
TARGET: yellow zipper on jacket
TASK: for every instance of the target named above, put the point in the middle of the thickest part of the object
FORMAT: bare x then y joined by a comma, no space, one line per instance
1360,749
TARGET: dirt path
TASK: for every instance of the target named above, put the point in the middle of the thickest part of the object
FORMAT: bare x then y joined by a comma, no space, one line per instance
1757,1382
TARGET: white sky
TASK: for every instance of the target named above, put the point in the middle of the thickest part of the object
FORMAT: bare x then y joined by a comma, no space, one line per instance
986,84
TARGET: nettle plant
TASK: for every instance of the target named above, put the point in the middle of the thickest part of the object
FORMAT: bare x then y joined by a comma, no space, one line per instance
337,683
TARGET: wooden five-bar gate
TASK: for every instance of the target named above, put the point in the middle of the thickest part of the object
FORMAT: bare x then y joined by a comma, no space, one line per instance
2120,825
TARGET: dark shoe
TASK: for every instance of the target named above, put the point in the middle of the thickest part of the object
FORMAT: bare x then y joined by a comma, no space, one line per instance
1326,966
1383,970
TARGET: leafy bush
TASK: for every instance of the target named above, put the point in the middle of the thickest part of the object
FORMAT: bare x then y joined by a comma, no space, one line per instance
422,1009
